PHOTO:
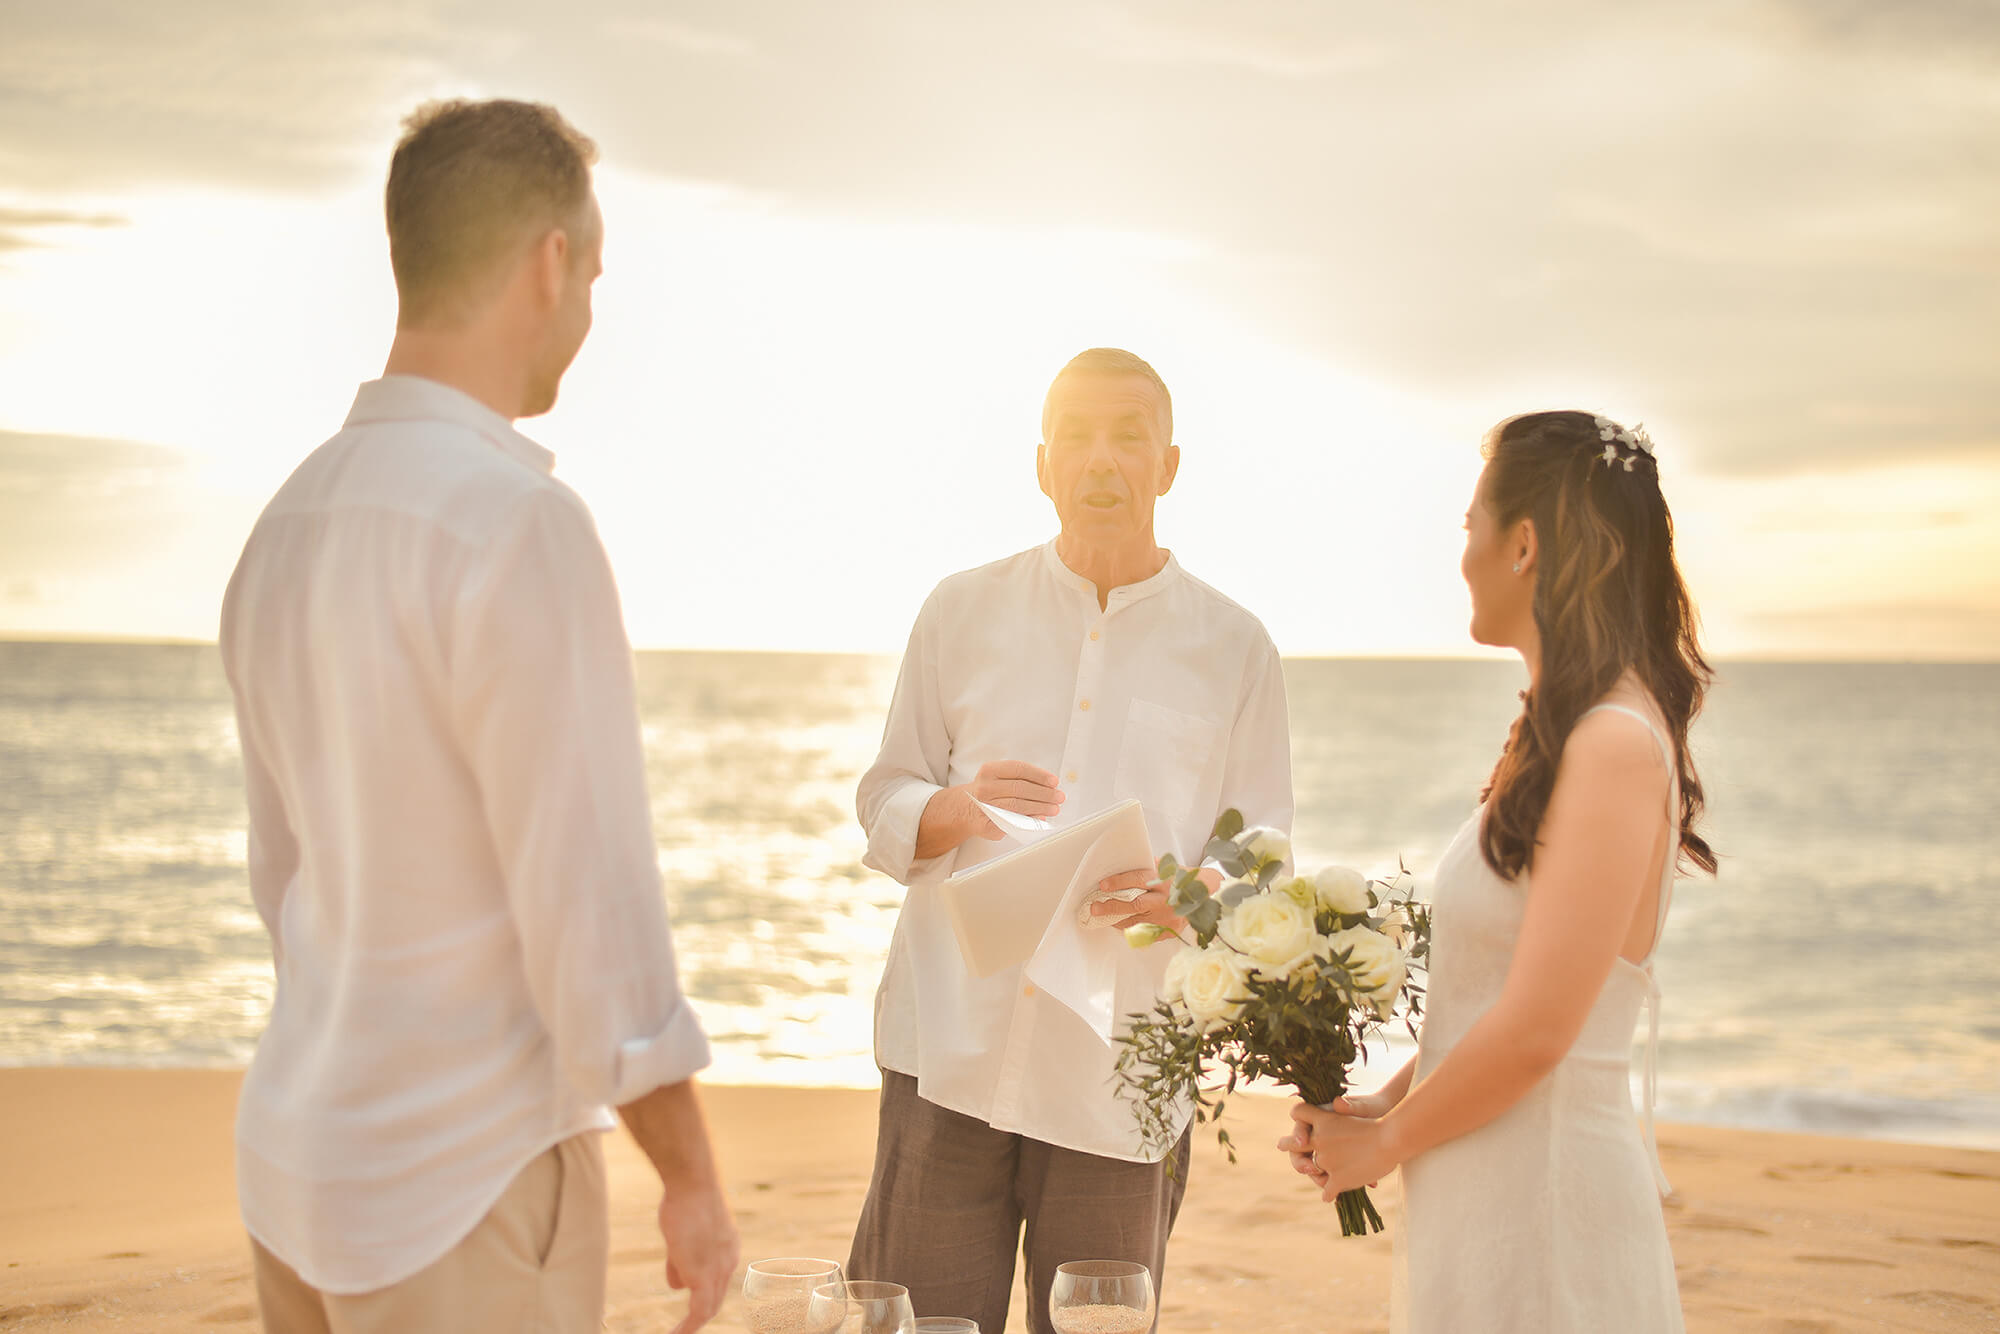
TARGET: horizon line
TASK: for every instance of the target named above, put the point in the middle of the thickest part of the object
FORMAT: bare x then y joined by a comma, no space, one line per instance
1794,659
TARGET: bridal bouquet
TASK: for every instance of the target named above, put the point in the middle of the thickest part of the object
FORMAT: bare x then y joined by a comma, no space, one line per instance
1286,979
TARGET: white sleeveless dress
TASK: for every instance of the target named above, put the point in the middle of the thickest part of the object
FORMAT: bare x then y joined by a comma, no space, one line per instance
1547,1219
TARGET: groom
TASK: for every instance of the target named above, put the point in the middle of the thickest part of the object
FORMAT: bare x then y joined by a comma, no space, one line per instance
450,840
1053,683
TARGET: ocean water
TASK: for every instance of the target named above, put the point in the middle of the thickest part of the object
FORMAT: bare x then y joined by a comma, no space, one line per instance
1840,975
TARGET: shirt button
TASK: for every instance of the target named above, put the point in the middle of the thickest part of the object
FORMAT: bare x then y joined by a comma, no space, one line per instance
1028,990
1093,634
1070,777
1084,705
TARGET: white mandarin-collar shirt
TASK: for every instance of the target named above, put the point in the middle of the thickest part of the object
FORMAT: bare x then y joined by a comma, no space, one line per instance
450,838
1170,693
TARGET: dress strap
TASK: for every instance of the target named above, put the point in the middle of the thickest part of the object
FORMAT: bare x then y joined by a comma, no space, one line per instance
1666,751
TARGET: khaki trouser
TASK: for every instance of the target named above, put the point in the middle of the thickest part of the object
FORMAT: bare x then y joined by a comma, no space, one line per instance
953,1198
534,1265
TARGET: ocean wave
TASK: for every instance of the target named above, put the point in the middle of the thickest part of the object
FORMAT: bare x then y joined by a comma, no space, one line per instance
1968,1119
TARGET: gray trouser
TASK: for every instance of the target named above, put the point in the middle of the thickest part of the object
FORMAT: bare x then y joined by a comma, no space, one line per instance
951,1194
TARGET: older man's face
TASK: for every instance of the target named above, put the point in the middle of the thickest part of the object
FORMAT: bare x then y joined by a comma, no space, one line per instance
1105,459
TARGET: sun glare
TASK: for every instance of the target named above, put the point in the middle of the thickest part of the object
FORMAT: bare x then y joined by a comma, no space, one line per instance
791,425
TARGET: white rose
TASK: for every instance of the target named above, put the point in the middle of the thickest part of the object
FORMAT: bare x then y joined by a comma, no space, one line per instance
1214,984
1342,889
1301,891
1274,930
1264,844
1373,962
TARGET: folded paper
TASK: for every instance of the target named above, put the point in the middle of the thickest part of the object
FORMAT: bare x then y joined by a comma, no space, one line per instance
1028,908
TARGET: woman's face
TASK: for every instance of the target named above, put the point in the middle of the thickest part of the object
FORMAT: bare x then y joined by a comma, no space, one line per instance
1502,597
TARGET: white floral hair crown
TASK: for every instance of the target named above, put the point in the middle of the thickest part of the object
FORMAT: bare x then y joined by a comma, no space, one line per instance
1614,435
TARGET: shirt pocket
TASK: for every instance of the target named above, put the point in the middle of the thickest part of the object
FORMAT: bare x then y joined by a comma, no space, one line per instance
1163,758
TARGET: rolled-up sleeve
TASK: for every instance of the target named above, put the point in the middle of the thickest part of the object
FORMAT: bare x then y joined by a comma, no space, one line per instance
1257,777
546,709
914,761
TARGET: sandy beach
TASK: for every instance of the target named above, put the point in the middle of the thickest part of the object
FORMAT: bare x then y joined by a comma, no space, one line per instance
117,1212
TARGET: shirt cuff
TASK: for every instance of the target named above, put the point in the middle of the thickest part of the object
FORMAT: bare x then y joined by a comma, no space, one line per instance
670,1056
892,839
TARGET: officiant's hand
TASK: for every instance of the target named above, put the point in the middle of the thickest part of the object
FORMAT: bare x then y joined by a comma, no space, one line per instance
953,815
1344,1149
1017,786
1150,908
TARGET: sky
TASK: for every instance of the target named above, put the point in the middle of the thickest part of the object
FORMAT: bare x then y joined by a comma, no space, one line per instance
848,244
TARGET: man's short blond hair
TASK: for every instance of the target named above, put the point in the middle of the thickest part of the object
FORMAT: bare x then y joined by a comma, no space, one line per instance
1113,361
469,182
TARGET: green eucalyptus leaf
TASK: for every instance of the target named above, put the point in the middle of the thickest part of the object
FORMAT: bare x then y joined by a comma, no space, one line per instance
1187,896
1204,918
1229,824
1235,892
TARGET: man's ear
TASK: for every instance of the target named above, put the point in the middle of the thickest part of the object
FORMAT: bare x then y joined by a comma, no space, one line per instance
1171,470
1042,470
552,265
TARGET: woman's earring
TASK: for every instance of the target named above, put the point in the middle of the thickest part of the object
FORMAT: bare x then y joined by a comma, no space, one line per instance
1517,567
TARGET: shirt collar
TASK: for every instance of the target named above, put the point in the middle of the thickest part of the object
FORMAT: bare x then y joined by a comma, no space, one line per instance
407,398
1121,595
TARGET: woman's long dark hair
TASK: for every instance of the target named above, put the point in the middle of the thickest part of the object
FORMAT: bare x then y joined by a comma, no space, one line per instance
1608,598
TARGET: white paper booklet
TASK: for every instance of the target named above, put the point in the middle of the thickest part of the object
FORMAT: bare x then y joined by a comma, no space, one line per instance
1024,908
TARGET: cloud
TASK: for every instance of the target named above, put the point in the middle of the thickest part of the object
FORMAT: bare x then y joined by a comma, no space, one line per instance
684,37
16,223
1767,224
27,593
108,94
1916,629
1966,31
77,504
1299,48
56,217
110,536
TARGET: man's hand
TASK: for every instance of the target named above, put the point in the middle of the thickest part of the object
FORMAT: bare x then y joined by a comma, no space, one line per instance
1150,908
702,1250
1015,786
953,814
694,1219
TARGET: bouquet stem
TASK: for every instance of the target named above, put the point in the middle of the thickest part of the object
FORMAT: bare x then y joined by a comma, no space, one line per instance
1357,1213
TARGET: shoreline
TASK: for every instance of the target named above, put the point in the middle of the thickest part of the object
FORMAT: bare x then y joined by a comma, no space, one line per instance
119,1213
1972,1134
893,652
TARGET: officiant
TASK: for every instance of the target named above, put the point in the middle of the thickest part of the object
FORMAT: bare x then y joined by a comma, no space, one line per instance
1053,683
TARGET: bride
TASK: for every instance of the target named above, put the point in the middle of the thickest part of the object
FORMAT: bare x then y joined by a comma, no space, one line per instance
1532,1202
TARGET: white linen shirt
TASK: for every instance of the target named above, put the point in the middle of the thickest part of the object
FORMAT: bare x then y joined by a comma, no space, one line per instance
1171,694
450,838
